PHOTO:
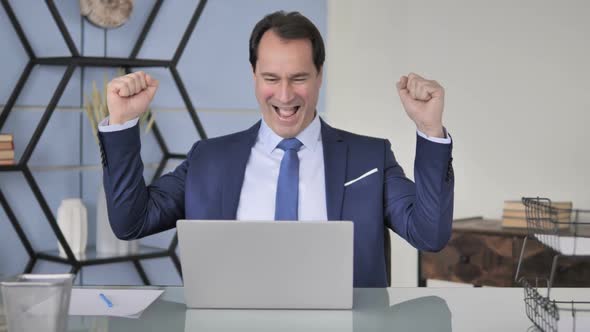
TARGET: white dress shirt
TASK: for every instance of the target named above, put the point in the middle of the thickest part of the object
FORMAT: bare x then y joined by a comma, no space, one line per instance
258,195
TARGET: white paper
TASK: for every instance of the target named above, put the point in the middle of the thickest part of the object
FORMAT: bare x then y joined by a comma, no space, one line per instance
126,302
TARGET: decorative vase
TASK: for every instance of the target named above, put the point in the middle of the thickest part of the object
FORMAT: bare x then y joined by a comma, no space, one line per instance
72,220
106,241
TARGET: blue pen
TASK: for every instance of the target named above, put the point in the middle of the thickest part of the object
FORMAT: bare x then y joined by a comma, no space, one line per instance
107,301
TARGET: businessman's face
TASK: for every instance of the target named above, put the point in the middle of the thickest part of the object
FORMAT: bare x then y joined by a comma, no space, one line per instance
287,83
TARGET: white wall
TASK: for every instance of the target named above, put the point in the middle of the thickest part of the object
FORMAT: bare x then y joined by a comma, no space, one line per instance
517,78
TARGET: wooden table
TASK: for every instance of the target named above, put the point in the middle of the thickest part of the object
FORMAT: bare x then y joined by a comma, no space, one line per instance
483,253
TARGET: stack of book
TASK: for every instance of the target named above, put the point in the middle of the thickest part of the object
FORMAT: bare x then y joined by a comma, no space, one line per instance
6,149
514,214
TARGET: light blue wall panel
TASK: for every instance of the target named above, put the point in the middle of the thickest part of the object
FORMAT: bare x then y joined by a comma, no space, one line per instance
43,82
161,271
214,66
122,39
167,30
114,274
60,143
40,28
46,40
13,55
93,40
13,256
51,267
58,146
180,134
70,13
217,76
91,180
21,124
27,211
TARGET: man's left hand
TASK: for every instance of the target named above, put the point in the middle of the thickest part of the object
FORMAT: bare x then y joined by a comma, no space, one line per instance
424,102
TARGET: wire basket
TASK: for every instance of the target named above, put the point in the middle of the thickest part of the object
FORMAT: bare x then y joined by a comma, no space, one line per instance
37,302
549,315
564,231
567,233
541,311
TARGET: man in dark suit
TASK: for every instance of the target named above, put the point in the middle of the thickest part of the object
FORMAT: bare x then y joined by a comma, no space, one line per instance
291,165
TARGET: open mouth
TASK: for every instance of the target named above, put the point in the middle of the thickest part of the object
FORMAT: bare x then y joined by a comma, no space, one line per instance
286,113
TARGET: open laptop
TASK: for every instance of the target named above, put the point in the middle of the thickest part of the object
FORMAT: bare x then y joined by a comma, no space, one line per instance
266,264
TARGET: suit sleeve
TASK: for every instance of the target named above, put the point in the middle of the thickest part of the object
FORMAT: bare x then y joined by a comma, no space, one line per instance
421,213
136,210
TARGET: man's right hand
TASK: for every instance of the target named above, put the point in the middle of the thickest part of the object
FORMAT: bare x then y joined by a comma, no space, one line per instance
129,96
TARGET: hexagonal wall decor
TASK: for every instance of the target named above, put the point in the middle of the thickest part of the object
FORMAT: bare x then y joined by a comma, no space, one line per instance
71,62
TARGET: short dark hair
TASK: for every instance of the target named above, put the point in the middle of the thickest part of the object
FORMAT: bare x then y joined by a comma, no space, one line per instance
288,25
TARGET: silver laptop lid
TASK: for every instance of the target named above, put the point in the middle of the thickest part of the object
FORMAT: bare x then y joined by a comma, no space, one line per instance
267,264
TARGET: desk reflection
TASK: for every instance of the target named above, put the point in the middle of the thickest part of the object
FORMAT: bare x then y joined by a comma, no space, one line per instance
372,311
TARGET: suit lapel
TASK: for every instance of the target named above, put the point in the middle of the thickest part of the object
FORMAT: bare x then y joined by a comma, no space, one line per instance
335,160
238,153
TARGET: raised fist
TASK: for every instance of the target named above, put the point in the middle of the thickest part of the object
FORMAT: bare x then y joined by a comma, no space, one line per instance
129,96
424,102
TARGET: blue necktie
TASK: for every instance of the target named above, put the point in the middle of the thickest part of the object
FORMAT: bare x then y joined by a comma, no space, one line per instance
288,184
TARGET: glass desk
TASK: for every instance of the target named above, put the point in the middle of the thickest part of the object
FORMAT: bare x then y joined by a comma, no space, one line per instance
391,309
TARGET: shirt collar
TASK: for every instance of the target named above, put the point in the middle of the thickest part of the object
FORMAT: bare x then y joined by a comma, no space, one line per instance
310,136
